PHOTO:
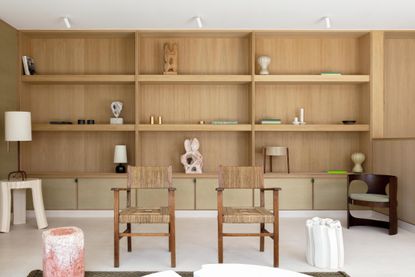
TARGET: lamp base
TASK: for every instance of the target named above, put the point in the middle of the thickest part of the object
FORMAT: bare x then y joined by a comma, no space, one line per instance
17,175
120,168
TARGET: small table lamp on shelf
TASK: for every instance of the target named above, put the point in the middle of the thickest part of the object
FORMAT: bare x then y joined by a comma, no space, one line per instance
18,127
120,158
275,151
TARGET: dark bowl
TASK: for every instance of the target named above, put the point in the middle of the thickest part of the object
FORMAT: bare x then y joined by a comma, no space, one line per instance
349,121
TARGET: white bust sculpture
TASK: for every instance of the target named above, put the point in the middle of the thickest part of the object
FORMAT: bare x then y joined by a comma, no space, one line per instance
116,108
192,160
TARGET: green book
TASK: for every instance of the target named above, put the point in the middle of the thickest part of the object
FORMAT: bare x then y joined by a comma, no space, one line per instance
330,73
224,122
337,171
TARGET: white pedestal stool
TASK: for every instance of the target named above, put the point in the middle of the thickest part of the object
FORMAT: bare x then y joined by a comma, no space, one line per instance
19,203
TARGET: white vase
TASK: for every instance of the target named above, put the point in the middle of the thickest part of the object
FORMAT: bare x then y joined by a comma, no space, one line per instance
358,159
264,62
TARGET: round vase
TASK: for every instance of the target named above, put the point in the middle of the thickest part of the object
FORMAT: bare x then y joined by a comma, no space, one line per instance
263,62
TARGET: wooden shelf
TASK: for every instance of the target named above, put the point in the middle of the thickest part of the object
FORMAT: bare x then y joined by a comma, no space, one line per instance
181,175
313,128
83,127
312,79
61,175
194,127
78,78
194,79
326,175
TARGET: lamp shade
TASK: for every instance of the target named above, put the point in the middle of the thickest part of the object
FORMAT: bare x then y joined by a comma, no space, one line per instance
120,154
18,126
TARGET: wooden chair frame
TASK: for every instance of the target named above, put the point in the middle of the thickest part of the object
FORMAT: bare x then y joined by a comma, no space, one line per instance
376,185
262,231
127,232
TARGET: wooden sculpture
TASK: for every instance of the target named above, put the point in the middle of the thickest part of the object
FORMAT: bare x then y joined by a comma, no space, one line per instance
192,160
170,58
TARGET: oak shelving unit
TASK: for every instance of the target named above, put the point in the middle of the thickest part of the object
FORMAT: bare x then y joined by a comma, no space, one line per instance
81,72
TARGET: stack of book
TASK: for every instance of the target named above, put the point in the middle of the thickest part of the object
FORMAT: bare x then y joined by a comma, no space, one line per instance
224,122
271,121
330,73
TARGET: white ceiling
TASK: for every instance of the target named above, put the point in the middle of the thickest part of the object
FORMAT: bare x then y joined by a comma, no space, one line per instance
216,14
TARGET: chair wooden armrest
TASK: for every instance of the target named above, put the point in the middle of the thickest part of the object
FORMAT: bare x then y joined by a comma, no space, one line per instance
120,189
274,189
220,189
172,189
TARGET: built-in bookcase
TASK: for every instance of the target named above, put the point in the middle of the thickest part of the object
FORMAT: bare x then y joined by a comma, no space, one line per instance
80,73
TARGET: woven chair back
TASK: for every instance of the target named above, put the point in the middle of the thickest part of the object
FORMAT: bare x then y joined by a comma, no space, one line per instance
241,177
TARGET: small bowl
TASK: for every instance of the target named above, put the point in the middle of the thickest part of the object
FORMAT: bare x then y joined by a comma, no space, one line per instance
348,122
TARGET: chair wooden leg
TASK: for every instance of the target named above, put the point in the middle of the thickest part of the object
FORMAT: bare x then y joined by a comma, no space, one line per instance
393,220
349,215
261,238
276,245
116,246
172,243
220,241
129,238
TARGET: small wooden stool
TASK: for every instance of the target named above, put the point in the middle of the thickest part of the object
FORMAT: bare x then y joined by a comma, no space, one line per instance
63,252
19,203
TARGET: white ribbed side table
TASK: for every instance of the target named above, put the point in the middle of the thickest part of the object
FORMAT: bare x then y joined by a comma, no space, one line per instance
19,203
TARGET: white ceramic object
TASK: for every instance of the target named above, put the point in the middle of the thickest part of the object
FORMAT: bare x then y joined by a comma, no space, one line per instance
116,108
358,158
302,116
325,247
264,62
192,160
296,121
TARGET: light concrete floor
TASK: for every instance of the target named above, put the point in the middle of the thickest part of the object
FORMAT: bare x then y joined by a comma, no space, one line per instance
368,251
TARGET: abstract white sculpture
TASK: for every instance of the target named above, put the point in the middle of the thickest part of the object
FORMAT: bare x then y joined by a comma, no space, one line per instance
192,160
324,243
263,62
116,108
358,159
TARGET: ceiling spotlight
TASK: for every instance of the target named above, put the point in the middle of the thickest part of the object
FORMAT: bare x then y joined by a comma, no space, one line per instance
327,20
67,22
199,21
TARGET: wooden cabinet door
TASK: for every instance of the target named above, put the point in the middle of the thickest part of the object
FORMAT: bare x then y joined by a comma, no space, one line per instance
330,194
295,194
58,194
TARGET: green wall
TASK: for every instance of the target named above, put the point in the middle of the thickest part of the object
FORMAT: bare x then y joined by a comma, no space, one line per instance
8,92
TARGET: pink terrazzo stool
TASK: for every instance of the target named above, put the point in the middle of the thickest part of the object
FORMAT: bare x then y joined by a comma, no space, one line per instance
63,252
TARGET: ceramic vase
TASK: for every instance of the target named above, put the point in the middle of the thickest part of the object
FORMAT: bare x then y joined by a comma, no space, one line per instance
358,159
263,62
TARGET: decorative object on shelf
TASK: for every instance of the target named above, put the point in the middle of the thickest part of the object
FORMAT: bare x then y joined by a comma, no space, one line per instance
302,122
60,122
18,127
358,158
160,121
275,151
90,121
325,247
224,122
63,252
116,108
349,122
81,121
170,59
271,121
296,121
152,120
263,62
120,158
201,122
192,160
28,65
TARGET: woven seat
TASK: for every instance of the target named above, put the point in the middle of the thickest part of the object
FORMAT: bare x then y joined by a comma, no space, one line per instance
247,215
141,215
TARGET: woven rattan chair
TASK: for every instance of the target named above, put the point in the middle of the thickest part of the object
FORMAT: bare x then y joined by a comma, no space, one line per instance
247,178
375,197
145,178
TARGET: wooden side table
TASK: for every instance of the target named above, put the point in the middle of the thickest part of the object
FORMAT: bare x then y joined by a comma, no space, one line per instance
19,203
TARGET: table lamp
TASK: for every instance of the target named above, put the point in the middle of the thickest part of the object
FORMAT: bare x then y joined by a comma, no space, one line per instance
18,127
120,157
